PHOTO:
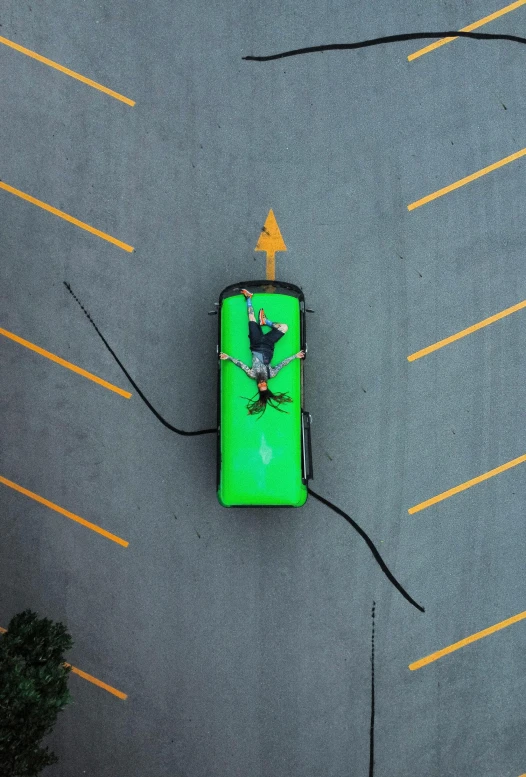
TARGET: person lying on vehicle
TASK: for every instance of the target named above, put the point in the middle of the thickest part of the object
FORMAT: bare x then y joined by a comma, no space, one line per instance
262,348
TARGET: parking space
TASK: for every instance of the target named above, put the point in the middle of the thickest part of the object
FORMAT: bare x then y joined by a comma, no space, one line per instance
149,166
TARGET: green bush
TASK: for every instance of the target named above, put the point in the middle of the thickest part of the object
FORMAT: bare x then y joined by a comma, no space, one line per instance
33,690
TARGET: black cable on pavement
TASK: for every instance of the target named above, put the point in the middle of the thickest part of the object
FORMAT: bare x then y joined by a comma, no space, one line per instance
372,548
135,386
388,39
371,725
348,518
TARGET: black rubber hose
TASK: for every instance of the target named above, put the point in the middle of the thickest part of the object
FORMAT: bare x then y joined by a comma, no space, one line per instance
372,547
213,431
135,386
388,39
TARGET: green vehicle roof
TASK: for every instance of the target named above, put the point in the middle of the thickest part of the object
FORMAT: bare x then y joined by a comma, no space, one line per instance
260,458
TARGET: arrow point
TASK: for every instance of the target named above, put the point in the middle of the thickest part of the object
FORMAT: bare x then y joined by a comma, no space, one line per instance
270,239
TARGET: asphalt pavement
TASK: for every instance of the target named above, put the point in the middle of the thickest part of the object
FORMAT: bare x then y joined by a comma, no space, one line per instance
241,639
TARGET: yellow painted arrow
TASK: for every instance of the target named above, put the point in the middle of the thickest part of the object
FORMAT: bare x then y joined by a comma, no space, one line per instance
271,241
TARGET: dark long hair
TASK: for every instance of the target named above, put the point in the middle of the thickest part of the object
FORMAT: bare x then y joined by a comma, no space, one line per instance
258,404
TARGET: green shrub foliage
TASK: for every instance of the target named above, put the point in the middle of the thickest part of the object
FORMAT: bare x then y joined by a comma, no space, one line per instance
33,690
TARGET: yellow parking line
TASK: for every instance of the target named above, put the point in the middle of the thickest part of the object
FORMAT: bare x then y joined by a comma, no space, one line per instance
66,216
66,70
467,179
467,484
95,681
469,28
88,677
64,363
467,641
464,332
61,510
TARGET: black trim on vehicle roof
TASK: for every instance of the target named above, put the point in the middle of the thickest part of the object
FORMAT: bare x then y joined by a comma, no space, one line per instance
263,287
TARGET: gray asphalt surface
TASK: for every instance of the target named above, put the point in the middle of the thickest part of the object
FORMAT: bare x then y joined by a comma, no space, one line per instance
243,637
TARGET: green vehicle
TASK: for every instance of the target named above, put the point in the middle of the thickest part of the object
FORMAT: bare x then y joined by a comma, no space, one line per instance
265,460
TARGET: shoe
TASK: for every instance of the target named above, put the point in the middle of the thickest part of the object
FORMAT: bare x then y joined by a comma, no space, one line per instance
262,317
246,293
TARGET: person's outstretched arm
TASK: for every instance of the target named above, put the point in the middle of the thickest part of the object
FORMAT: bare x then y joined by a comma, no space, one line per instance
274,370
239,363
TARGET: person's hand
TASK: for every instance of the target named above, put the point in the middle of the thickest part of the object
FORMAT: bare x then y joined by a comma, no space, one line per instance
223,356
300,355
